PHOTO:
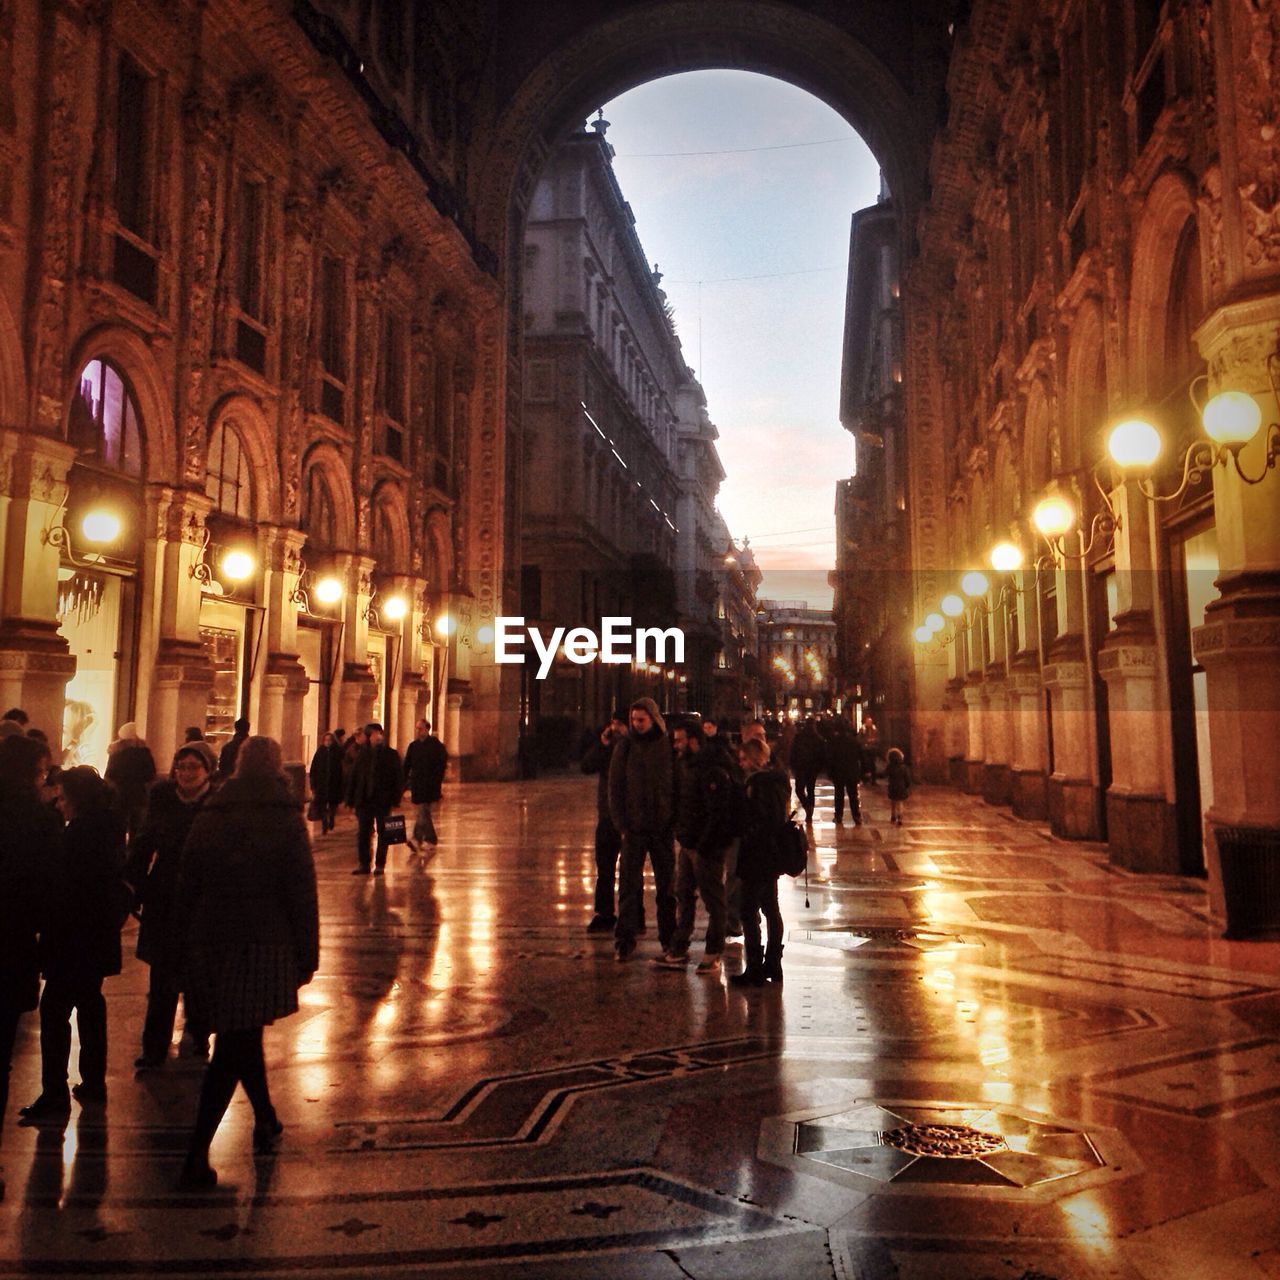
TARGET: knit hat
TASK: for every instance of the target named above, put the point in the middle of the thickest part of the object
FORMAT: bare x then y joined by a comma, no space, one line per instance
648,705
128,732
202,751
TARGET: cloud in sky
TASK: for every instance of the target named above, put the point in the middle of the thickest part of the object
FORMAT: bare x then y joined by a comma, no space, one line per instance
767,351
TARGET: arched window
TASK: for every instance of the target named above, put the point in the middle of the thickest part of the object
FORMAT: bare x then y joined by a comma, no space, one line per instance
318,519
103,424
228,480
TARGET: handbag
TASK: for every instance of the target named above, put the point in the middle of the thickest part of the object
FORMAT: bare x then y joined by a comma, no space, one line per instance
791,848
393,831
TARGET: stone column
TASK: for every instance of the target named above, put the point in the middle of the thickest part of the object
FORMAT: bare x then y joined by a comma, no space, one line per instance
1073,794
975,701
997,777
1026,696
35,664
355,696
280,683
1141,819
957,732
1239,643
174,677
409,690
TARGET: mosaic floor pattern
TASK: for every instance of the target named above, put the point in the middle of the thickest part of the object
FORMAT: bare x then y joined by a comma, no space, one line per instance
993,1056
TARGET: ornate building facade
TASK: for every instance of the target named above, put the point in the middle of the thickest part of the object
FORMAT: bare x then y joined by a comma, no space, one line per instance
1102,244
797,647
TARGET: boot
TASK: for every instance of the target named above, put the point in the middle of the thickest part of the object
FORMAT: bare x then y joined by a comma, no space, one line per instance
752,974
772,968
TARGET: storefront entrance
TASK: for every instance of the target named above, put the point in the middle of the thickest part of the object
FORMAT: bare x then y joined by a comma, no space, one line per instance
91,606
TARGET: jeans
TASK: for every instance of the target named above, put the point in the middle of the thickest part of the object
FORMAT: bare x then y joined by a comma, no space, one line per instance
424,829
732,891
366,820
761,896
56,1004
635,845
608,845
699,875
843,785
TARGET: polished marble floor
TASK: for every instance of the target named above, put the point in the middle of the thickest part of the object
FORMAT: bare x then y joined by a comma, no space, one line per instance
994,1056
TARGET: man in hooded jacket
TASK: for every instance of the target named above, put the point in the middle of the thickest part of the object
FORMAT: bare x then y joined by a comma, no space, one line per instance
641,805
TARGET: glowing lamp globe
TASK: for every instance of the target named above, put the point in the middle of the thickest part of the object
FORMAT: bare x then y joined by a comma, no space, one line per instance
394,609
445,625
923,635
935,622
1005,557
1134,444
485,636
974,583
1232,418
328,590
100,527
952,605
1053,517
237,566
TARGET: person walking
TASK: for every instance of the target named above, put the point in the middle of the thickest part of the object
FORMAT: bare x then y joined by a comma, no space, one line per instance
325,777
808,756
640,805
596,759
425,762
151,871
869,740
250,930
845,759
373,790
131,769
80,944
764,813
30,846
898,775
231,748
703,826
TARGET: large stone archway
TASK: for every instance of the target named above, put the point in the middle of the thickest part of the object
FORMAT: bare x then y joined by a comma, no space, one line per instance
878,65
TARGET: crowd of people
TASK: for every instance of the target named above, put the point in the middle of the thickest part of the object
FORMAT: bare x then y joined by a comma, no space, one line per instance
726,811
215,860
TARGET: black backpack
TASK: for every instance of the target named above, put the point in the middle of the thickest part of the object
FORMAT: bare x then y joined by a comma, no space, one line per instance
791,848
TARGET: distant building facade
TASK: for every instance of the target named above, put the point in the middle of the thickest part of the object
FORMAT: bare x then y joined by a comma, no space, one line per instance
620,468
797,657
873,598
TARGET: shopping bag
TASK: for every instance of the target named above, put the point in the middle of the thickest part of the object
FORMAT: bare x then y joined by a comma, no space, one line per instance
393,831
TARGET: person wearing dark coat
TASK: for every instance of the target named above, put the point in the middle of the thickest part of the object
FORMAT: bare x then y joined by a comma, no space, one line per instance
641,803
898,773
131,769
80,945
325,776
808,758
250,936
704,828
151,871
374,788
30,847
231,748
425,763
765,796
844,758
608,842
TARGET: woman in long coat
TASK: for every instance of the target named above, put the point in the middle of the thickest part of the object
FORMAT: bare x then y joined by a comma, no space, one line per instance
30,844
250,936
155,856
80,944
325,776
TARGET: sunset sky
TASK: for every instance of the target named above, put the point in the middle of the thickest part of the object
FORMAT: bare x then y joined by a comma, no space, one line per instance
765,347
